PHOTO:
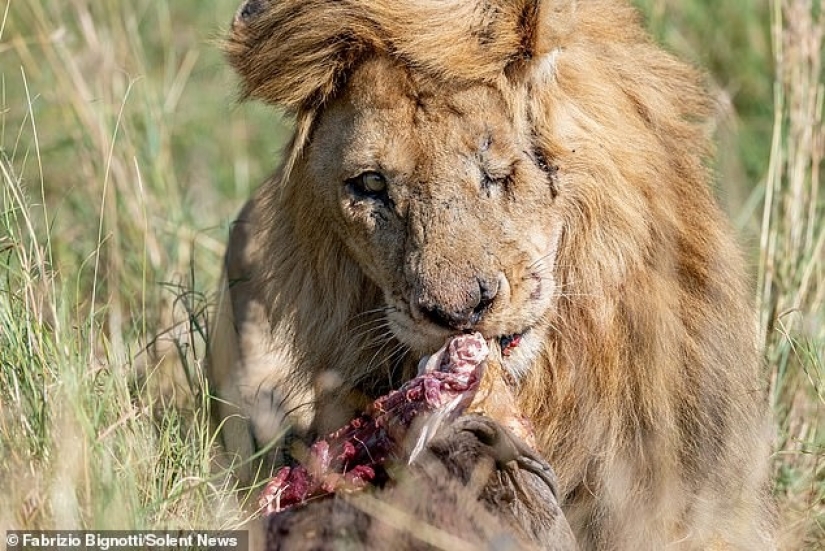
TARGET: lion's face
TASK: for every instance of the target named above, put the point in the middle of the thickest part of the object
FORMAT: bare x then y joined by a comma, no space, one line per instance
443,202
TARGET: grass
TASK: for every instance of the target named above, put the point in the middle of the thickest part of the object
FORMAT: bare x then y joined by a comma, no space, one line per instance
791,282
123,155
116,190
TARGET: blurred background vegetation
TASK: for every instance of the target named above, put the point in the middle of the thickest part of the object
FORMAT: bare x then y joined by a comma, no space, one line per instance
124,155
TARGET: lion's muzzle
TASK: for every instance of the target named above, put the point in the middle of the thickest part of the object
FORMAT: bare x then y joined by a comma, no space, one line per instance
454,303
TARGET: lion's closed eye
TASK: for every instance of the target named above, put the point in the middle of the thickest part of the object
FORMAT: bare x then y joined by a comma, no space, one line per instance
498,179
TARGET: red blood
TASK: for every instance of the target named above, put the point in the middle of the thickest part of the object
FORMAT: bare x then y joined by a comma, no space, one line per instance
509,344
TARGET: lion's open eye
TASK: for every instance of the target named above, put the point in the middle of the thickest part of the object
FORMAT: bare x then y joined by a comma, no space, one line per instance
371,183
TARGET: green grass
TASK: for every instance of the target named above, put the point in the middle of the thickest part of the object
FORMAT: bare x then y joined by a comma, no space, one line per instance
123,155
731,39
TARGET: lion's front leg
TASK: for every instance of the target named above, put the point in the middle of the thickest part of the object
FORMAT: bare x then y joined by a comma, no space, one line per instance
256,404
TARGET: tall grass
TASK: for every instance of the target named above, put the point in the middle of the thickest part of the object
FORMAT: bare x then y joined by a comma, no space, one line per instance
791,285
114,189
78,446
123,156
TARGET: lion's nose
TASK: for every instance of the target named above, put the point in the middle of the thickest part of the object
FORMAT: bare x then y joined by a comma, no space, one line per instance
448,312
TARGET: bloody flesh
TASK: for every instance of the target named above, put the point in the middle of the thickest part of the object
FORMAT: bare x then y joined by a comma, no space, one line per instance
348,458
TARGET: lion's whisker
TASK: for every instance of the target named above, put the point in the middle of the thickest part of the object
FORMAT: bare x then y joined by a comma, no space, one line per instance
380,310
369,327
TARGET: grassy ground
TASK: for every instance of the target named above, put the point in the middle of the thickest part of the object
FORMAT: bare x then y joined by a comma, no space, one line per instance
123,156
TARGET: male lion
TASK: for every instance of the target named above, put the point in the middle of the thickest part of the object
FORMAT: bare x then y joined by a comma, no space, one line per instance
525,169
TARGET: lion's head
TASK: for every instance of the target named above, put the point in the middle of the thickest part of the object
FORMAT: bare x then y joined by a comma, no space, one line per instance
470,168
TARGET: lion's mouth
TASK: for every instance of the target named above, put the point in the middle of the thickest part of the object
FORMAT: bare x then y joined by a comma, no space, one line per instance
518,351
423,338
508,343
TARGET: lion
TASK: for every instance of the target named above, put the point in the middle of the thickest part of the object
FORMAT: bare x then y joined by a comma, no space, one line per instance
535,171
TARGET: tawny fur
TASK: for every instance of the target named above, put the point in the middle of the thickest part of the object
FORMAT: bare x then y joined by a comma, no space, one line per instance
641,373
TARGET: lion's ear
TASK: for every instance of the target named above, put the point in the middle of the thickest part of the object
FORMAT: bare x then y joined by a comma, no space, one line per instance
293,53
471,40
476,39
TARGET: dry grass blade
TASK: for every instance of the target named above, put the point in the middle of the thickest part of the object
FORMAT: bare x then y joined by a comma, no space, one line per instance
792,268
